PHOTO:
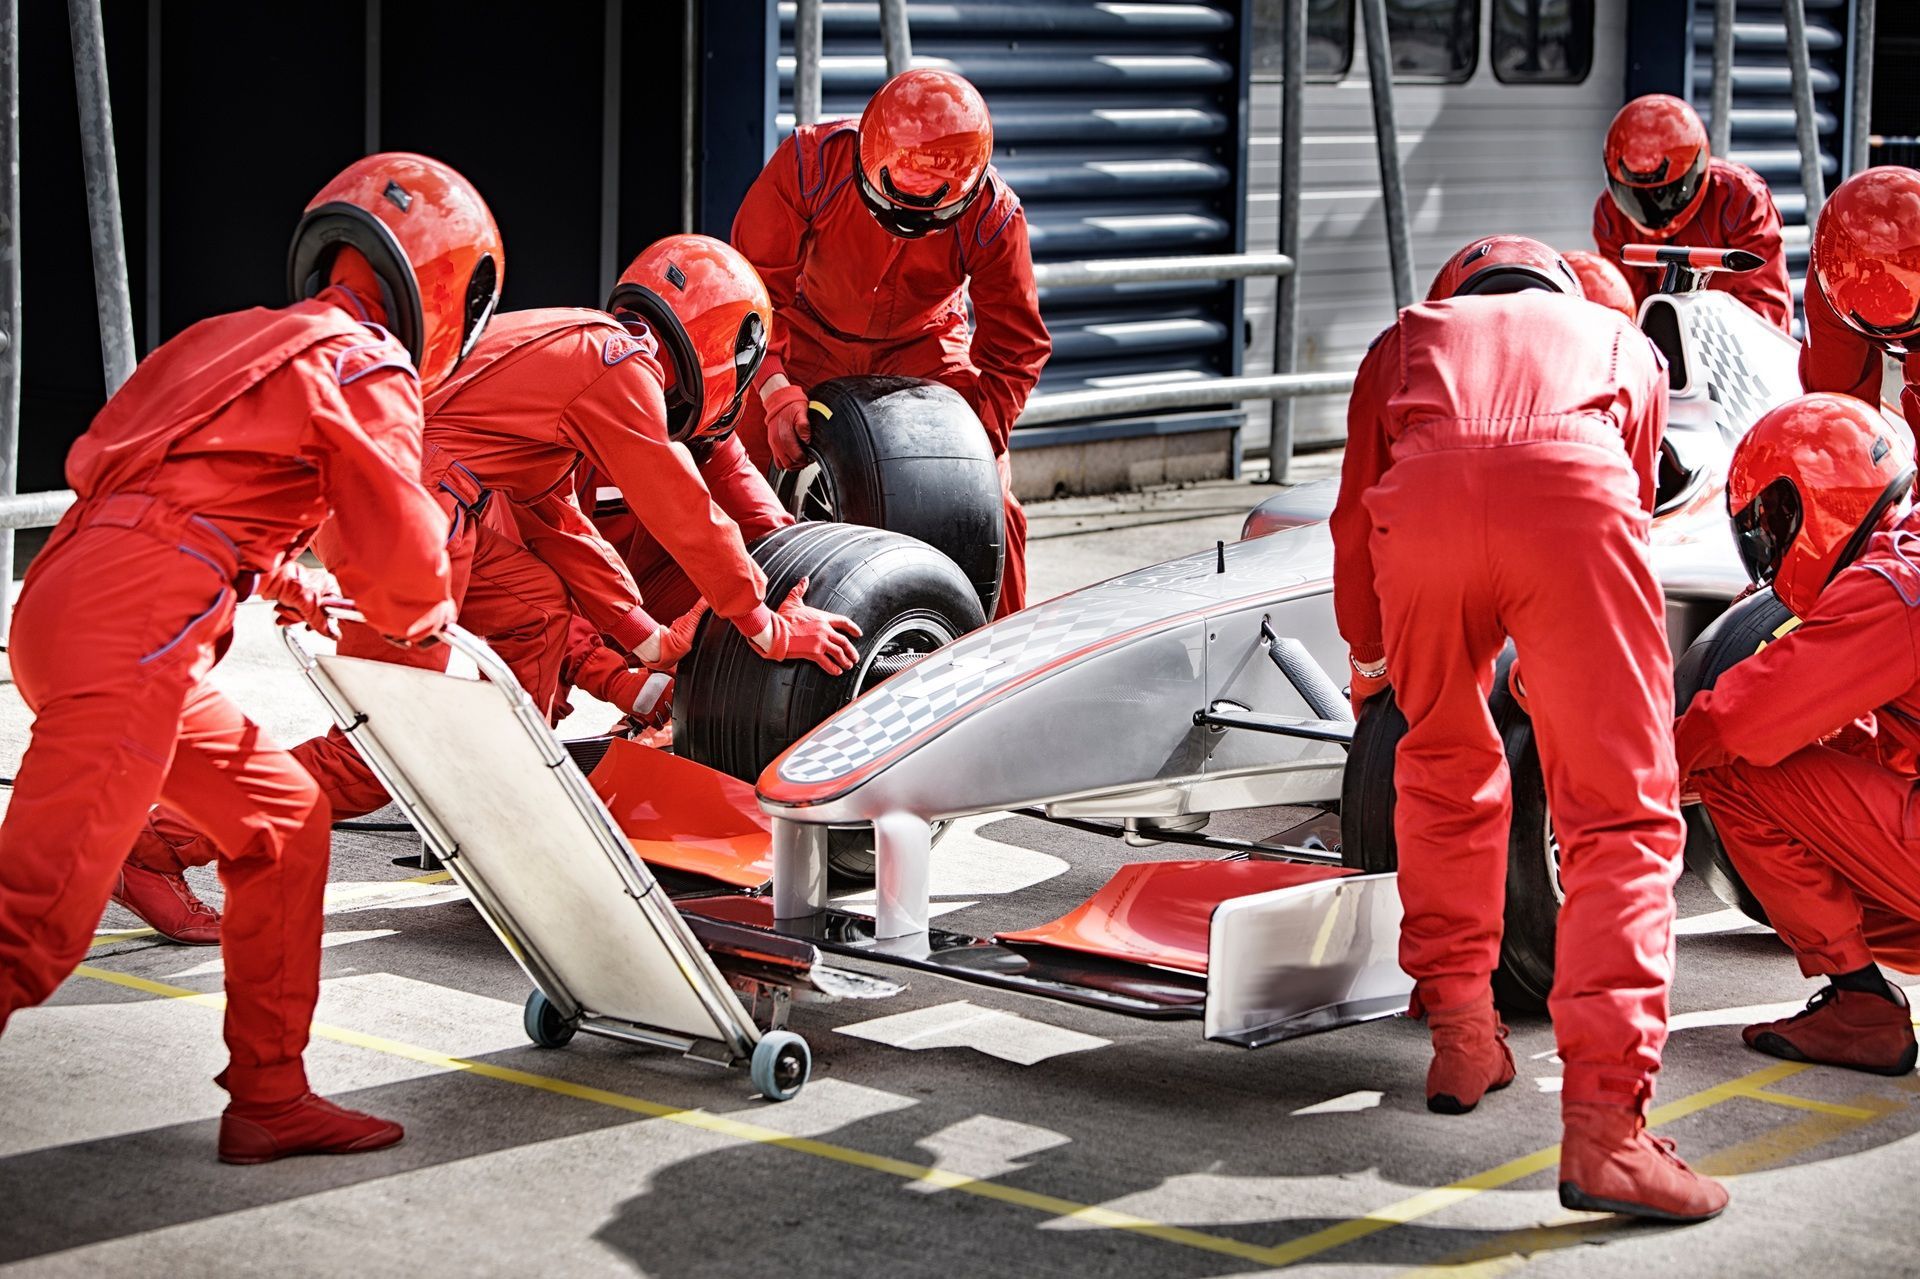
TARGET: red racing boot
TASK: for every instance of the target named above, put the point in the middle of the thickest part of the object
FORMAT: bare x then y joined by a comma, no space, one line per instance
251,1133
1847,1028
1609,1162
1470,1055
166,903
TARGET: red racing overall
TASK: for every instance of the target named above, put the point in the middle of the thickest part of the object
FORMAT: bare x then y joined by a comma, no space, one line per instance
851,297
1836,357
1737,213
213,464
1498,483
1823,824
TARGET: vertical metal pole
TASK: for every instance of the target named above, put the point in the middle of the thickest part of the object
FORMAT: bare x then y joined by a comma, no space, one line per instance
113,302
806,61
370,108
1721,138
9,288
1860,116
151,285
895,37
1286,323
1804,129
610,61
690,65
1386,136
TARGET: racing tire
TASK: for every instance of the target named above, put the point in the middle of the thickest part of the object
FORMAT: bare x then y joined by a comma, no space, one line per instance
735,711
1735,635
1524,977
907,455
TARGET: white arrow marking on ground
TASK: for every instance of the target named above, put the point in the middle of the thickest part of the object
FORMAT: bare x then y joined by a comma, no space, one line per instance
327,942
961,1025
1346,1103
985,1147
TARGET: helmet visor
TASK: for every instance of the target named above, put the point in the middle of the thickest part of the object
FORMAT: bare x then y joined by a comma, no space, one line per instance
750,348
1766,527
906,222
1650,202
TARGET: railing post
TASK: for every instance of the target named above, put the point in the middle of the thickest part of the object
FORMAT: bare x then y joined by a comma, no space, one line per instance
1386,136
1721,139
690,69
9,290
1860,115
807,37
894,36
113,301
1286,323
1806,132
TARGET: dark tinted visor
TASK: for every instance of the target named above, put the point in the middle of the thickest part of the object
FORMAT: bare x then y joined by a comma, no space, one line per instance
1654,207
749,350
1766,528
911,224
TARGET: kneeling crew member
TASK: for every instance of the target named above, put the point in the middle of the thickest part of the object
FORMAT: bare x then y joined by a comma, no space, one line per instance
1665,187
873,239
208,471
544,393
1820,831
1499,475
1863,289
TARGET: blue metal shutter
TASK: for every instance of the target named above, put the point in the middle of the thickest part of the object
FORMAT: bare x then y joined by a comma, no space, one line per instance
1763,137
1121,128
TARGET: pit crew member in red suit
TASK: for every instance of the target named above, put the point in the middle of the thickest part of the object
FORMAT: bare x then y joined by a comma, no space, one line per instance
1498,482
873,238
1602,282
1863,290
202,480
1816,819
1665,187
544,393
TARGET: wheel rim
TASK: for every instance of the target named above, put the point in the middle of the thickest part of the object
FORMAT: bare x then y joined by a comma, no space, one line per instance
903,641
813,495
789,1070
1550,847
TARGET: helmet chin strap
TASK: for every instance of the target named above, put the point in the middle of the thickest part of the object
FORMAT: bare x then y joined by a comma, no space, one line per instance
1896,490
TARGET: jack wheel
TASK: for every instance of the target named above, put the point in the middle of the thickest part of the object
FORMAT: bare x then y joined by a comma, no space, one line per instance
781,1065
545,1026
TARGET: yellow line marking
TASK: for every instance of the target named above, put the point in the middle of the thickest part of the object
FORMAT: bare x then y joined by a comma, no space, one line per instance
1423,1204
1509,1252
1808,1103
353,893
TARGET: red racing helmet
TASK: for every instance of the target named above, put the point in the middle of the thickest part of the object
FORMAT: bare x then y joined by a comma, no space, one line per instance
1657,158
429,238
1866,252
1808,485
711,312
925,141
1503,264
1601,281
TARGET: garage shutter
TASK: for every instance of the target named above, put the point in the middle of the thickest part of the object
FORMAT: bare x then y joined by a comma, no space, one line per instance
1120,127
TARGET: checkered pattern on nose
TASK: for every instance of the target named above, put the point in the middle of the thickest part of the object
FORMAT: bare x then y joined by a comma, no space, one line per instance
943,682
1745,381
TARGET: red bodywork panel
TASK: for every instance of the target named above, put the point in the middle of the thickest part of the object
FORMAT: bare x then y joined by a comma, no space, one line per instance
1161,912
683,815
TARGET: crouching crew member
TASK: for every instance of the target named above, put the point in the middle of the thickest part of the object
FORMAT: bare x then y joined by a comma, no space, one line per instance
208,472
544,393
1665,187
1818,820
1498,482
1863,288
873,238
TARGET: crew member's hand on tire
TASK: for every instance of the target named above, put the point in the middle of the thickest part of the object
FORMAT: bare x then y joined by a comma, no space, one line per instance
662,650
788,427
1369,681
301,595
798,631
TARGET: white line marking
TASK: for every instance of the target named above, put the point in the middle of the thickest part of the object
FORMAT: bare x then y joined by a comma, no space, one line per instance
1346,1103
986,1030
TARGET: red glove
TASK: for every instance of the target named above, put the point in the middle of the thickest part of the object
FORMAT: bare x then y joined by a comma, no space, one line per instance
662,650
1368,683
653,704
814,634
299,595
1517,688
788,426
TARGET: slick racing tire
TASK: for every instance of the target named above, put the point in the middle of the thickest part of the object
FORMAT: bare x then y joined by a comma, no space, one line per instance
735,711
1735,635
911,456
1367,801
